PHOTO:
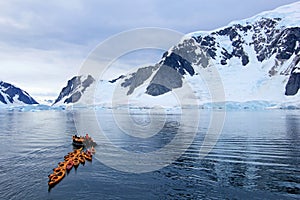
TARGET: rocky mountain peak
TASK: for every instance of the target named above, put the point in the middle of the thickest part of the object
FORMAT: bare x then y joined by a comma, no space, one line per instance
74,90
10,94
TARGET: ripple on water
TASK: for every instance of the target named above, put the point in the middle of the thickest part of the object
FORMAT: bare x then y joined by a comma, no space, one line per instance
256,161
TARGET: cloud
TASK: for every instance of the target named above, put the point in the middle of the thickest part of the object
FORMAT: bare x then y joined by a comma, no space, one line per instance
38,71
44,24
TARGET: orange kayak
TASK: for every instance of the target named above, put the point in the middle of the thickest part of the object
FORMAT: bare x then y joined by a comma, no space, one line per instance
63,165
81,159
87,156
56,178
76,162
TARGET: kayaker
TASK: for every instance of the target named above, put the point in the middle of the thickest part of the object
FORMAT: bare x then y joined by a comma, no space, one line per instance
93,150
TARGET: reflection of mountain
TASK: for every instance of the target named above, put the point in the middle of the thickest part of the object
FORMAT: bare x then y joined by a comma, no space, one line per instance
293,128
292,123
12,95
251,159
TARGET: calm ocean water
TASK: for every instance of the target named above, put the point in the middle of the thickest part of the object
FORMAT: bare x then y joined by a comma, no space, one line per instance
257,156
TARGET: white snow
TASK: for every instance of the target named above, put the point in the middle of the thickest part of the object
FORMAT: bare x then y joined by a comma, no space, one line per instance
15,98
248,88
253,83
296,70
289,13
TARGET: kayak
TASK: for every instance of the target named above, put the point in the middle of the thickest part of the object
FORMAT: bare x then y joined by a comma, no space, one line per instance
78,144
56,178
77,151
69,165
70,154
76,162
87,156
67,158
63,165
93,150
80,141
81,159
58,169
73,158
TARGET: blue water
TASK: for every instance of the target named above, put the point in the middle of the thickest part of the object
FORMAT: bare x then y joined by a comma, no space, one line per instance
257,156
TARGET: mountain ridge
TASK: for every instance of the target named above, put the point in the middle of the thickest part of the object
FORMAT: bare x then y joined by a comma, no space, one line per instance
267,45
10,95
257,58
75,89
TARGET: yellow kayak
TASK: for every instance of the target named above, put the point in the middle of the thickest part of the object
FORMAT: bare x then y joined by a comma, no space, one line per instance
87,156
76,162
56,178
81,159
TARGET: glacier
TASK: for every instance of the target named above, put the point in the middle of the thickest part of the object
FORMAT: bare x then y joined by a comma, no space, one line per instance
257,62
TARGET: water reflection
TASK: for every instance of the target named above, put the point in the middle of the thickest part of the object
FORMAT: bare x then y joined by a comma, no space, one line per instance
256,157
250,160
293,127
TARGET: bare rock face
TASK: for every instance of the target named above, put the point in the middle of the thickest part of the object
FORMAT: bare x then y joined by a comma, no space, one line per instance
261,40
138,78
74,90
293,84
164,81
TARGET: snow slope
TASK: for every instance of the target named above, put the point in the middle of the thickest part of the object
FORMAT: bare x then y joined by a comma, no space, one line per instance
11,95
257,60
251,63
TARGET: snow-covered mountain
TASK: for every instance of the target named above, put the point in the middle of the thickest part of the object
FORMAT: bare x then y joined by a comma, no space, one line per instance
12,95
257,59
76,91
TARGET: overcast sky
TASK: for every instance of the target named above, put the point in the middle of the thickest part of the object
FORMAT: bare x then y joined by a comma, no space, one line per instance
43,44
